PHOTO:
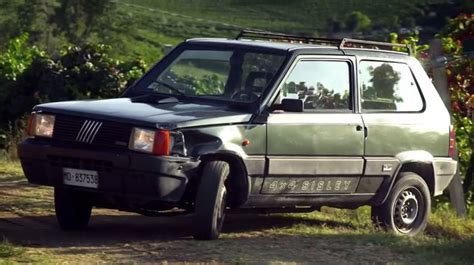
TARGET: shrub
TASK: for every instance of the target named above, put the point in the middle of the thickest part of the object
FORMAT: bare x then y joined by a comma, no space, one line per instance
29,76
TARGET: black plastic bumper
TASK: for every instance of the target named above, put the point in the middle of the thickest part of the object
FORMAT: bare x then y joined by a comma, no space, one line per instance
123,173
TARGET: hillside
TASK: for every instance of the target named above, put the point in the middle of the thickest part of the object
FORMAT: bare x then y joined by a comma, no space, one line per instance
161,21
140,28
302,15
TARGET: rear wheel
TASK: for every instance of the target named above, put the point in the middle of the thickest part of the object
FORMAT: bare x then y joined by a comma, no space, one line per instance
210,204
73,209
406,210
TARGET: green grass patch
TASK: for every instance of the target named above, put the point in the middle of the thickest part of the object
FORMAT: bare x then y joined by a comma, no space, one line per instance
8,250
444,223
14,254
448,239
10,171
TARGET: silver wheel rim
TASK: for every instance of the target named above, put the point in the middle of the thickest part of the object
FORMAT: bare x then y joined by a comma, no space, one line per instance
407,209
221,209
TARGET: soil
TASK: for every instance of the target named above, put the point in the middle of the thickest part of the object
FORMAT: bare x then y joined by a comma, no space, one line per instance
27,219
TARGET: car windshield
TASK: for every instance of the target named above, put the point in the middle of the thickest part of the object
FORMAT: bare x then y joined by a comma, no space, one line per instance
231,75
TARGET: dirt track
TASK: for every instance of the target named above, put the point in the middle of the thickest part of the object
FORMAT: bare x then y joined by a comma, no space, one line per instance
27,219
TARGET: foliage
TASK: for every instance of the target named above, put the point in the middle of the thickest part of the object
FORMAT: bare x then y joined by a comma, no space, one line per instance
412,41
460,79
13,63
78,19
29,76
384,78
207,85
461,85
17,58
140,28
33,15
357,21
316,98
8,250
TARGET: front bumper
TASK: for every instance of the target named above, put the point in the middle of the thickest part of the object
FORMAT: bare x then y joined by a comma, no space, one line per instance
122,173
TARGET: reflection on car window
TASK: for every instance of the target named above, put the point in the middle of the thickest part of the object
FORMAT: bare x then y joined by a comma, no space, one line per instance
197,73
388,86
322,85
230,74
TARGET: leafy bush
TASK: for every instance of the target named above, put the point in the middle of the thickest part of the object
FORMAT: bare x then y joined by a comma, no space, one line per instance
461,85
460,81
17,58
29,76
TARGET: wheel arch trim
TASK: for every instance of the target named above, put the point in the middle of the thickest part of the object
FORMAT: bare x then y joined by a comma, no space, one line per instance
420,162
239,180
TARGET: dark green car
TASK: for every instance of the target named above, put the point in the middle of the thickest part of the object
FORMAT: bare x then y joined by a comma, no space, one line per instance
284,124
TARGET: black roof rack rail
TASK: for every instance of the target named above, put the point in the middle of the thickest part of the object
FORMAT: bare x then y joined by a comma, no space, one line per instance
367,44
340,43
285,37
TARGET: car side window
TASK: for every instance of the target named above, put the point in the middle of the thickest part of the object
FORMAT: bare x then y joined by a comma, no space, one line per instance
388,86
322,85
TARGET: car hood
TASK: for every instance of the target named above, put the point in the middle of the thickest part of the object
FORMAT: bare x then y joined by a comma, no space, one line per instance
162,115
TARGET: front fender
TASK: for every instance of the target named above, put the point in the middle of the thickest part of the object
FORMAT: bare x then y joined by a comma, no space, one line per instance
227,143
226,139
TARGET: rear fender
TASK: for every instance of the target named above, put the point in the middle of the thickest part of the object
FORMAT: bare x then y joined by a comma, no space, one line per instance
419,162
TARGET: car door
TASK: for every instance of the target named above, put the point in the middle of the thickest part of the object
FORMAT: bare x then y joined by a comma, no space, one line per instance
319,150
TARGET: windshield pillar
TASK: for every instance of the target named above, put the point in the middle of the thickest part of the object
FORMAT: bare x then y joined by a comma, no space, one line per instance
235,74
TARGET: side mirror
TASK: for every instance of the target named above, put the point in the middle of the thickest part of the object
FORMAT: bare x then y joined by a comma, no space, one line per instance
292,105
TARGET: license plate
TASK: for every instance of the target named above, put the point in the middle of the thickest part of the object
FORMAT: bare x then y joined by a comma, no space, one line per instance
81,178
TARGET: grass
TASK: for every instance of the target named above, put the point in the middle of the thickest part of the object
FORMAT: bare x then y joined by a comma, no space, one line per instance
448,239
10,171
249,238
153,23
14,254
8,250
305,15
142,27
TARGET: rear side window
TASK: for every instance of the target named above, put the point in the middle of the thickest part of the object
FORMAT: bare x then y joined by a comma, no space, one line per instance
387,86
321,85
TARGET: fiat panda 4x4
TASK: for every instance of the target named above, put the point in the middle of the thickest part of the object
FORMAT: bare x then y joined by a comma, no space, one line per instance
264,122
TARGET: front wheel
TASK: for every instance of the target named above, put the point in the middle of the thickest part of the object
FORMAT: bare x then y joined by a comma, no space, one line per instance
406,210
210,204
73,209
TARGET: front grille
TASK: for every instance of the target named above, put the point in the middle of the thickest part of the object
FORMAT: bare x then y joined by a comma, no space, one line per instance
79,163
91,131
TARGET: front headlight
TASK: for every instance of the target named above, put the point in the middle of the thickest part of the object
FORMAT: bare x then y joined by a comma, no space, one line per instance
41,125
159,142
142,140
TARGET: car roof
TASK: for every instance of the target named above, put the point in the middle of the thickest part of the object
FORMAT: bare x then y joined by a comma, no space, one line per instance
302,48
284,46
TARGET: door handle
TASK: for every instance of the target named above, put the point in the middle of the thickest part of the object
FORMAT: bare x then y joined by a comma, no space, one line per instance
360,128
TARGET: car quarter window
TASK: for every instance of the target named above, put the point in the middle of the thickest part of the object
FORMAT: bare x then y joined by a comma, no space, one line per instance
388,86
321,85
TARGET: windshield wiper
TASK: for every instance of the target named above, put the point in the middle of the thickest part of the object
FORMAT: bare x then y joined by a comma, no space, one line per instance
170,87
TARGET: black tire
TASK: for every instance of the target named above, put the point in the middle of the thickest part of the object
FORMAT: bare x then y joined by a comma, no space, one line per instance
209,208
406,210
73,209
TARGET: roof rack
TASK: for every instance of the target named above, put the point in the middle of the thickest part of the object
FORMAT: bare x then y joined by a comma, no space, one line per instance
340,43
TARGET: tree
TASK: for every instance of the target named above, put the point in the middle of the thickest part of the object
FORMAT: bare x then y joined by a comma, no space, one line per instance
384,78
333,26
78,19
357,21
8,25
34,17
